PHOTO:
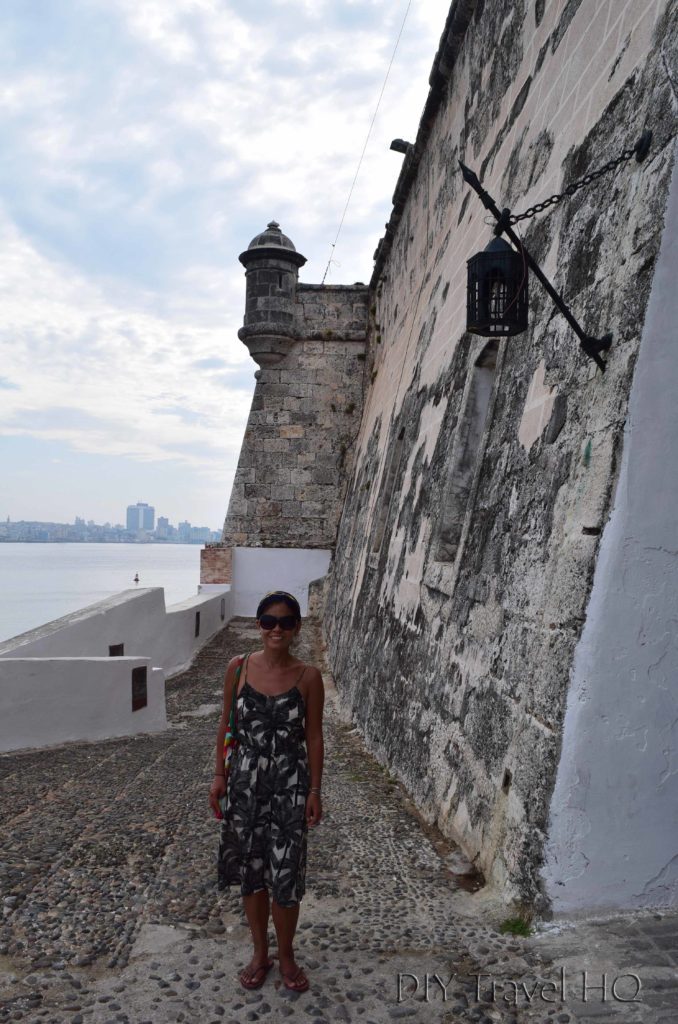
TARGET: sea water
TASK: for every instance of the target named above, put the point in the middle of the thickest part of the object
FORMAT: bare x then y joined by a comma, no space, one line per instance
41,582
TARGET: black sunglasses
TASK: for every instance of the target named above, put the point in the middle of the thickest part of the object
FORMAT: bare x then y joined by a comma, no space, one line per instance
271,621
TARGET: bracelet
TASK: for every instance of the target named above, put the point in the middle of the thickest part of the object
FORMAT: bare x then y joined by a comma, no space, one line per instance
313,789
218,775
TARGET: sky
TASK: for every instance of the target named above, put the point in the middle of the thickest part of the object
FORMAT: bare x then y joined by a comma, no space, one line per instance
145,143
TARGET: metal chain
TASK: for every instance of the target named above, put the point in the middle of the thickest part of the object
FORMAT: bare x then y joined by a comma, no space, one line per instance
574,187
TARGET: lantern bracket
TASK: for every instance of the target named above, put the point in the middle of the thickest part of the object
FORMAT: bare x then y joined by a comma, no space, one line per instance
505,221
590,345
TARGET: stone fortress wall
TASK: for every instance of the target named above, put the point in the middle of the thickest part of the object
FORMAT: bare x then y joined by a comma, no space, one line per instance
484,471
309,341
304,417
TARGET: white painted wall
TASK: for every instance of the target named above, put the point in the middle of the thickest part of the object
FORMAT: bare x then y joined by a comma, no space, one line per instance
44,701
259,570
613,835
59,683
177,644
135,618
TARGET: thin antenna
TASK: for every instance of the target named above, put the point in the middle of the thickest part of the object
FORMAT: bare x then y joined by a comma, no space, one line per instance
369,132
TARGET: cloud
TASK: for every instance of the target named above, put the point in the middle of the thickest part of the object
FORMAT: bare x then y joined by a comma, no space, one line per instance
145,144
209,363
237,379
58,419
185,415
102,377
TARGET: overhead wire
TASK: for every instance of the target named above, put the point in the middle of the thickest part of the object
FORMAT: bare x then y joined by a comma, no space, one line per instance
367,139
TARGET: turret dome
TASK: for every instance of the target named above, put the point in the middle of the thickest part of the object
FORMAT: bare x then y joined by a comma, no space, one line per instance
272,236
271,244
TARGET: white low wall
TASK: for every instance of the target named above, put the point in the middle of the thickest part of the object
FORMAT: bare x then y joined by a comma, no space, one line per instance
44,701
179,644
71,679
137,619
258,570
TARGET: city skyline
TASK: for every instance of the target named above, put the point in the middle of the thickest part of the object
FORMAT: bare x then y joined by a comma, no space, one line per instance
145,145
110,521
88,531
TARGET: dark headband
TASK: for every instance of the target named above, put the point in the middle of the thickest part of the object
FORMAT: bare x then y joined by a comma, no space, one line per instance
279,596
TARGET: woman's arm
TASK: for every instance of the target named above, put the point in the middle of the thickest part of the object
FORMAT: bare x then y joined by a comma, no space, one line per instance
218,787
314,744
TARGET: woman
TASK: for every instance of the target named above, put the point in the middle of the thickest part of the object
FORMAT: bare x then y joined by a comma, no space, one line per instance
274,785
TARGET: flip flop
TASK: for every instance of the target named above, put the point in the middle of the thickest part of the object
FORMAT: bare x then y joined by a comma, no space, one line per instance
296,982
251,982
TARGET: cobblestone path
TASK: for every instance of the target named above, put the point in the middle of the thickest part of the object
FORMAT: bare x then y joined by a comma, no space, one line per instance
111,911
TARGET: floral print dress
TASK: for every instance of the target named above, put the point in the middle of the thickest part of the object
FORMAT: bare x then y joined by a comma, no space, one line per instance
263,835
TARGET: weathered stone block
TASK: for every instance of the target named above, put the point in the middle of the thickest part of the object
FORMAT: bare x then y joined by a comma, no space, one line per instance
290,509
293,430
312,509
267,508
246,460
299,375
332,378
257,490
310,407
279,475
269,391
300,476
238,507
277,444
277,417
216,564
315,492
329,459
324,475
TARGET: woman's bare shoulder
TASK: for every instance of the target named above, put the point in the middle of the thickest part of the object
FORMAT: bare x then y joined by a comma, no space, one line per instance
234,662
312,675
231,667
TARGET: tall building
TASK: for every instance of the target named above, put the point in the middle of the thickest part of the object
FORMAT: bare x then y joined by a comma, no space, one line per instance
201,533
140,517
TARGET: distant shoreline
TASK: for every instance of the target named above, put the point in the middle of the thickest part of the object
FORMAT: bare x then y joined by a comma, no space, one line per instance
65,540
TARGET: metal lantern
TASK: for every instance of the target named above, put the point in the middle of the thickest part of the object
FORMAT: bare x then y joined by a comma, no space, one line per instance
496,297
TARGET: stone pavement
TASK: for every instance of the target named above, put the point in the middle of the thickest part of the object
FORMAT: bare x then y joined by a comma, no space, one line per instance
111,911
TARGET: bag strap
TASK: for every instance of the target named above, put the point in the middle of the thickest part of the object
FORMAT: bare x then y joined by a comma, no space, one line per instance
236,683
